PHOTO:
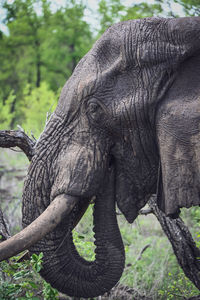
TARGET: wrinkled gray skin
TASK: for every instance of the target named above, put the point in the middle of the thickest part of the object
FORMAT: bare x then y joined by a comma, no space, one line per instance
127,125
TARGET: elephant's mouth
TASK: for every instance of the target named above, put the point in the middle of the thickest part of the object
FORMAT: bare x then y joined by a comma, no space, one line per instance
51,234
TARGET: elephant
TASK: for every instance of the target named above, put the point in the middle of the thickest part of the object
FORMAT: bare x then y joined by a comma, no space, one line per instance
127,126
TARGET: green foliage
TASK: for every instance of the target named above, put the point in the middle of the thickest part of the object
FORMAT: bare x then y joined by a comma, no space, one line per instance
114,11
155,272
49,292
84,246
37,104
142,10
21,281
83,236
67,40
6,114
109,12
177,285
21,64
42,45
36,262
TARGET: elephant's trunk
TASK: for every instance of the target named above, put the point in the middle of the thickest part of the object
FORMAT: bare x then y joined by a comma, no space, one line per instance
71,274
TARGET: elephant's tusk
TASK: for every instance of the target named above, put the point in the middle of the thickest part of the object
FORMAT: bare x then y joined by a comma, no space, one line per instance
45,223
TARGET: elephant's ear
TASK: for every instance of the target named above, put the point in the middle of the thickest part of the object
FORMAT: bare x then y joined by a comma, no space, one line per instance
178,132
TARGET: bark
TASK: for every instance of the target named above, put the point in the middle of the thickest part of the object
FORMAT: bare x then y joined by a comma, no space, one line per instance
4,232
17,138
10,139
72,50
182,243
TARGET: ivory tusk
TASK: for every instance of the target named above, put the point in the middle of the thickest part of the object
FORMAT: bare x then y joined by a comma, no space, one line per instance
45,223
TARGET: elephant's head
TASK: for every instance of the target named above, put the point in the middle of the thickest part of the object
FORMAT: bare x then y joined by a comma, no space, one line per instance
102,143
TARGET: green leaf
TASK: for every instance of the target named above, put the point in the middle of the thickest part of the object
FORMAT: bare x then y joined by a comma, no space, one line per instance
33,284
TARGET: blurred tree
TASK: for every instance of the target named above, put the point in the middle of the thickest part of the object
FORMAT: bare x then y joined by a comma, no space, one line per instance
67,40
109,12
190,7
113,11
38,104
142,10
42,45
20,54
6,115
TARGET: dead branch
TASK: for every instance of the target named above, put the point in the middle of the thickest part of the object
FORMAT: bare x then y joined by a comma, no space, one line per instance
142,251
17,138
182,243
9,139
146,212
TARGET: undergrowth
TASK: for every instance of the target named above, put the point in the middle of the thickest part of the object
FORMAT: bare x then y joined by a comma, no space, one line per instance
20,280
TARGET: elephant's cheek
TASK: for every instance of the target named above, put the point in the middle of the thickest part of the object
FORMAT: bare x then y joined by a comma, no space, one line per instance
78,172
129,198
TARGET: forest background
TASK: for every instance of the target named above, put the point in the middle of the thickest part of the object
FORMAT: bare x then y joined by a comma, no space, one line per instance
41,41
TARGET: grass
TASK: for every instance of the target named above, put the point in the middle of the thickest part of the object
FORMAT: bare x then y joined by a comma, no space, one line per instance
153,273
13,167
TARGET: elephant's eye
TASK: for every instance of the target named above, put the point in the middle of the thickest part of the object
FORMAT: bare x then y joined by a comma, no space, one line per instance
93,107
97,113
94,111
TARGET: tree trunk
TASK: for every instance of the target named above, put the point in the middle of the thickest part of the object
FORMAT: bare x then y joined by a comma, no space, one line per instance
182,243
73,61
38,63
4,232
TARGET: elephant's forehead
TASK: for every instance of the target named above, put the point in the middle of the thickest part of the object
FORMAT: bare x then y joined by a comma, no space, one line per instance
78,85
128,45
90,75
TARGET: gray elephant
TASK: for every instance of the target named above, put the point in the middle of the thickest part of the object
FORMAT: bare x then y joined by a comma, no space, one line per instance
127,126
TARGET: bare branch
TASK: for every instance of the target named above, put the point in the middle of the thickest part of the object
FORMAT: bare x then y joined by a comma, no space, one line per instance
182,243
142,251
146,211
17,138
9,139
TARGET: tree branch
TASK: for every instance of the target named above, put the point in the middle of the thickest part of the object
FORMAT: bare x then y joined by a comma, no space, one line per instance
146,212
142,251
182,243
9,139
4,232
17,138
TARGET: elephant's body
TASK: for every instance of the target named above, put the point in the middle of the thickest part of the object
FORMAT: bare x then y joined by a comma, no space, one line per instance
132,106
